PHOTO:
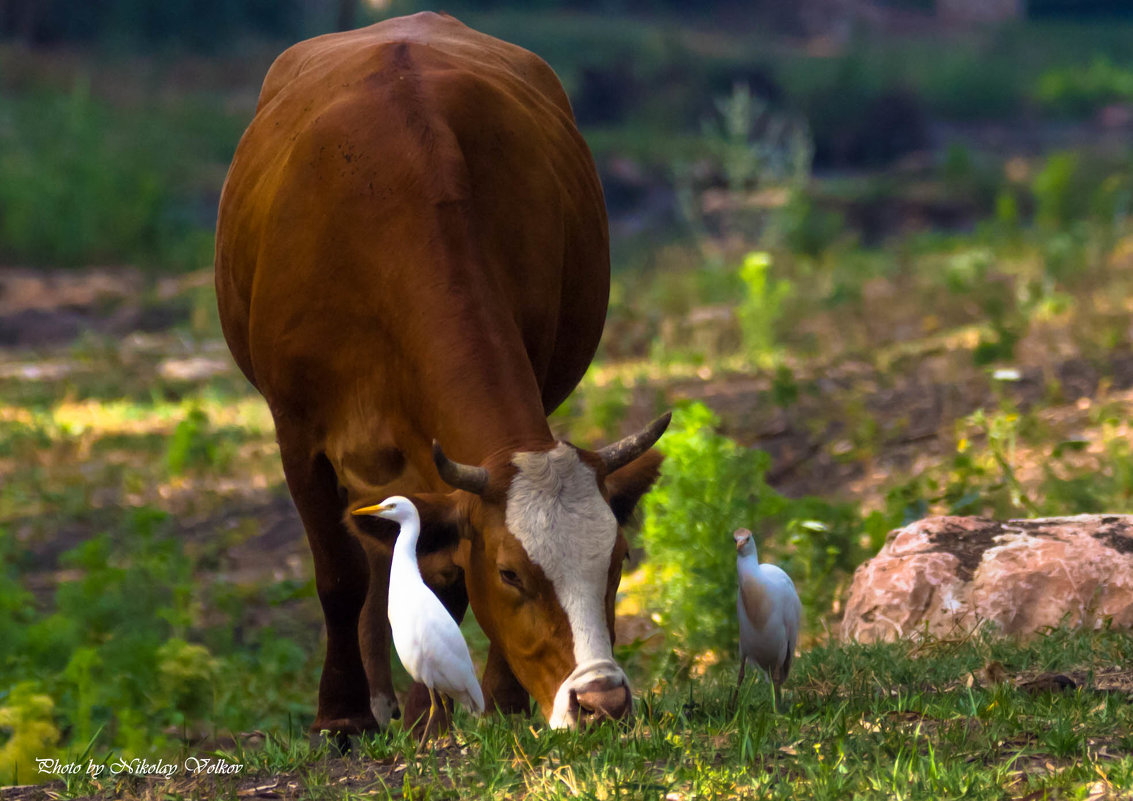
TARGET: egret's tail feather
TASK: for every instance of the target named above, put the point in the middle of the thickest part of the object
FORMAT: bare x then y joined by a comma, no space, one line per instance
473,698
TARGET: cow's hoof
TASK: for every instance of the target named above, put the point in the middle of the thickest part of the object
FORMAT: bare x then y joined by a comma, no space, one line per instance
342,734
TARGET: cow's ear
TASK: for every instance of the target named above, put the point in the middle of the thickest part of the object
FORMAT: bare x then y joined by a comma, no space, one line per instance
627,484
441,516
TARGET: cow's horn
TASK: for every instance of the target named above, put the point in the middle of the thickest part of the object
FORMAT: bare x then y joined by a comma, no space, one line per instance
626,450
462,476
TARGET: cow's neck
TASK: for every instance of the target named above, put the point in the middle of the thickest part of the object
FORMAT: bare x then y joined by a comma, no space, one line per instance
491,429
482,400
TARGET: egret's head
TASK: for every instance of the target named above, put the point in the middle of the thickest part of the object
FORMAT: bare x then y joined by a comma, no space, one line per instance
542,550
397,508
745,543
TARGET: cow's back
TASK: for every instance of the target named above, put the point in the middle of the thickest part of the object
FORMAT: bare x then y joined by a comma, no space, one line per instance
408,193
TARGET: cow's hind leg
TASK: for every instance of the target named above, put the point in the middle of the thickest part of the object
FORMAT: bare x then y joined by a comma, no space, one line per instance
341,578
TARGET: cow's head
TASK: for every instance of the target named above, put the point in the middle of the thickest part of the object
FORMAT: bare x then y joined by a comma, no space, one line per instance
542,551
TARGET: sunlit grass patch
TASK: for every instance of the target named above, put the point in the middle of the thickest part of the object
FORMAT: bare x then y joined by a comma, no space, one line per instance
103,418
75,455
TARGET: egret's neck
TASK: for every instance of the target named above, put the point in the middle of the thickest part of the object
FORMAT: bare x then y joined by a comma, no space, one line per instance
405,547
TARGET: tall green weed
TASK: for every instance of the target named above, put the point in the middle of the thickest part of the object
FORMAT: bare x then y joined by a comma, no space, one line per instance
761,308
710,486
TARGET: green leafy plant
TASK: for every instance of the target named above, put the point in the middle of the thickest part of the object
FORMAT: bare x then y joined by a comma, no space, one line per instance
709,486
761,308
196,443
755,149
186,674
28,714
1057,193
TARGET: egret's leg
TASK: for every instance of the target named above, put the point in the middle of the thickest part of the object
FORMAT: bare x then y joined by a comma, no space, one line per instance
739,681
774,694
432,711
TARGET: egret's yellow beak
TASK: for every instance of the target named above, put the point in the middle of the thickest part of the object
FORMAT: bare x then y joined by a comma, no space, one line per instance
370,510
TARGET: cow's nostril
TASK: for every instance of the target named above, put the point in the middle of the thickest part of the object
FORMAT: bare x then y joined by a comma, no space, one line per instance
573,705
601,700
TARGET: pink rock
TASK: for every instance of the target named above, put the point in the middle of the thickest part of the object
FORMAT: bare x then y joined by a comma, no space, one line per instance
947,576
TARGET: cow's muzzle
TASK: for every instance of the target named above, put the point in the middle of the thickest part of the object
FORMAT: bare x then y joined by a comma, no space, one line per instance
593,692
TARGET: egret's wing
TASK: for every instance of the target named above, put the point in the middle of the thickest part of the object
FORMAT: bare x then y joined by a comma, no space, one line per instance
792,621
457,675
755,601
777,576
449,665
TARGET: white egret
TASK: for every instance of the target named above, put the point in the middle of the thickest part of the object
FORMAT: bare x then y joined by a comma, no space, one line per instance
770,614
427,639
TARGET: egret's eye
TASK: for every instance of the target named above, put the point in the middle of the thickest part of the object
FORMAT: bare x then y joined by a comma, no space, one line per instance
510,577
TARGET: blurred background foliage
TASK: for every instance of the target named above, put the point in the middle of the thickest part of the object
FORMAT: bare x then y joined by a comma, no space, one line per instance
877,254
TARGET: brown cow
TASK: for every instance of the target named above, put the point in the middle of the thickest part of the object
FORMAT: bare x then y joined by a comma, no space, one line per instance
412,248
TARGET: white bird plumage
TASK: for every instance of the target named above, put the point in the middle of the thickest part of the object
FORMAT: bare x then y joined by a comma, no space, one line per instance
428,640
770,615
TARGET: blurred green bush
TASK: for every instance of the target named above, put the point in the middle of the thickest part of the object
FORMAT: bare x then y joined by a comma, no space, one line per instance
78,188
197,24
1078,91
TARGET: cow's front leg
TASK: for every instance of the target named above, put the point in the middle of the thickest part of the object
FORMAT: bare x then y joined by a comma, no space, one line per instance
341,580
502,690
374,634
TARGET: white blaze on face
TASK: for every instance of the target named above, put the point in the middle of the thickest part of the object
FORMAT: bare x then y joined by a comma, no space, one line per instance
556,512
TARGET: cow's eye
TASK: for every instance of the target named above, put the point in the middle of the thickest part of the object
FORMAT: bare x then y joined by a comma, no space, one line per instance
510,577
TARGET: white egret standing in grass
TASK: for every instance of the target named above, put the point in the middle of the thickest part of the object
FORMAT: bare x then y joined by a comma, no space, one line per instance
770,615
427,639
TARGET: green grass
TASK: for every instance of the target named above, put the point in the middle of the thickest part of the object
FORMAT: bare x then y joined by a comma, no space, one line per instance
883,721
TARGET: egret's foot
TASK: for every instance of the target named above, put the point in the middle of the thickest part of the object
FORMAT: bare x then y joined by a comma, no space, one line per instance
417,712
